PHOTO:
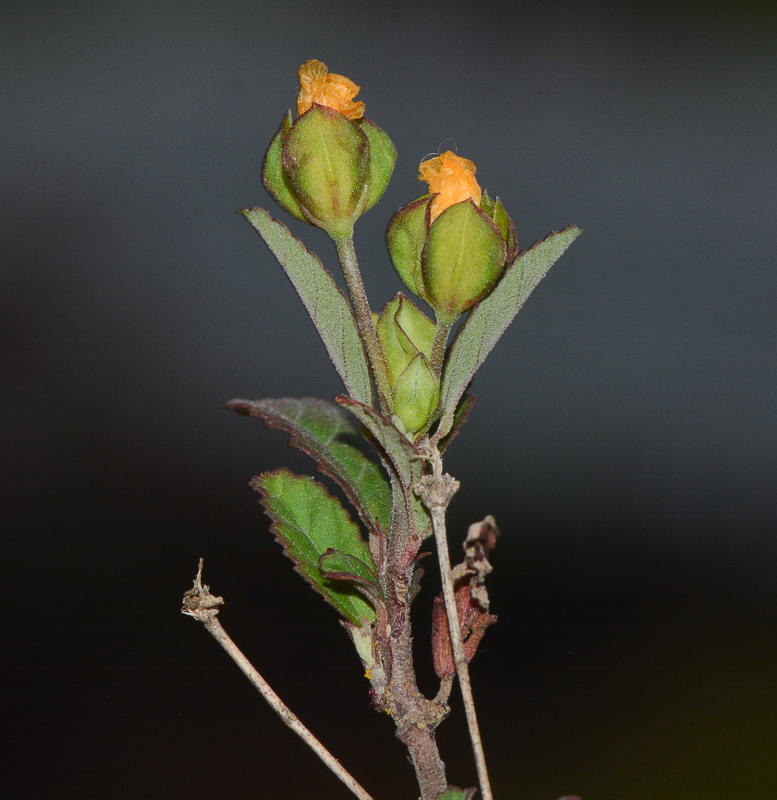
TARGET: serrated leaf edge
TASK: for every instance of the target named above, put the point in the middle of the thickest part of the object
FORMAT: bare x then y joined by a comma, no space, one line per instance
257,485
342,365
450,403
300,441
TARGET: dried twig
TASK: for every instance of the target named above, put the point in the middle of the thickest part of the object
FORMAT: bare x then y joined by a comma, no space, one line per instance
203,606
436,490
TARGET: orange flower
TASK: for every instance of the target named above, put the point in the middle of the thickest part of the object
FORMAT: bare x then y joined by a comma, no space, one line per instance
452,179
324,88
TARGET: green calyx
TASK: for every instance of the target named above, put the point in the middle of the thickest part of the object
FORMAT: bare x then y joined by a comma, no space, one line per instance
406,335
416,395
273,176
403,331
406,237
455,261
326,169
383,156
462,260
496,211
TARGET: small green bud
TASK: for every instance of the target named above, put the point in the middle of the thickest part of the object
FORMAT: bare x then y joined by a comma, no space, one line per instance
403,331
406,335
333,163
416,395
450,247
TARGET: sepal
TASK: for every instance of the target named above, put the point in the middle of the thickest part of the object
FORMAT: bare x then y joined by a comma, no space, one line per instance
417,394
383,156
273,176
463,258
496,211
406,237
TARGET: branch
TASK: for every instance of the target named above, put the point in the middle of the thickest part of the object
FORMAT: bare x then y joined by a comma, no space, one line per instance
436,490
444,692
203,606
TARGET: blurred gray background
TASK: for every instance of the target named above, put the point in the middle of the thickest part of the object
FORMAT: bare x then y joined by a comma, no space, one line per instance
624,438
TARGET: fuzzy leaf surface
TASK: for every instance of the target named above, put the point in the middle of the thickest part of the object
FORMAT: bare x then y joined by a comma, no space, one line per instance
326,304
399,450
331,436
489,320
308,521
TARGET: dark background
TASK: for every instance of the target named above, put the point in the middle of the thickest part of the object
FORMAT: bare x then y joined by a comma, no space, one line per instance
625,435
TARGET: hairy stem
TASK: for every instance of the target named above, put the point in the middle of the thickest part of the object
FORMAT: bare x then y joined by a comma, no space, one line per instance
394,683
203,606
415,716
436,490
441,333
353,278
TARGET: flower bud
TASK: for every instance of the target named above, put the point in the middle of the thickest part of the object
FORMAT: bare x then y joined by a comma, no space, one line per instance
406,335
417,394
333,163
450,247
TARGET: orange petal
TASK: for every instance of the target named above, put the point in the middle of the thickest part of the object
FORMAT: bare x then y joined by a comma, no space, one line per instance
318,85
452,179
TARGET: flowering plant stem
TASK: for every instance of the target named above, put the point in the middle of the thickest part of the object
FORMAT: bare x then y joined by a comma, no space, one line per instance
384,452
435,491
361,305
441,332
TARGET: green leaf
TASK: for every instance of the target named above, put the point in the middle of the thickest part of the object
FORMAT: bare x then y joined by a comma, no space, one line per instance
454,793
331,436
489,320
401,457
326,304
308,521
338,566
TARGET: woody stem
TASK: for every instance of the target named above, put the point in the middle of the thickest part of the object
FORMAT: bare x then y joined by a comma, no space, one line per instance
436,491
353,278
462,668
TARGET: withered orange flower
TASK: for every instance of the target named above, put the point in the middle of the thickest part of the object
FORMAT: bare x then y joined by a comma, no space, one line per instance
451,178
319,85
